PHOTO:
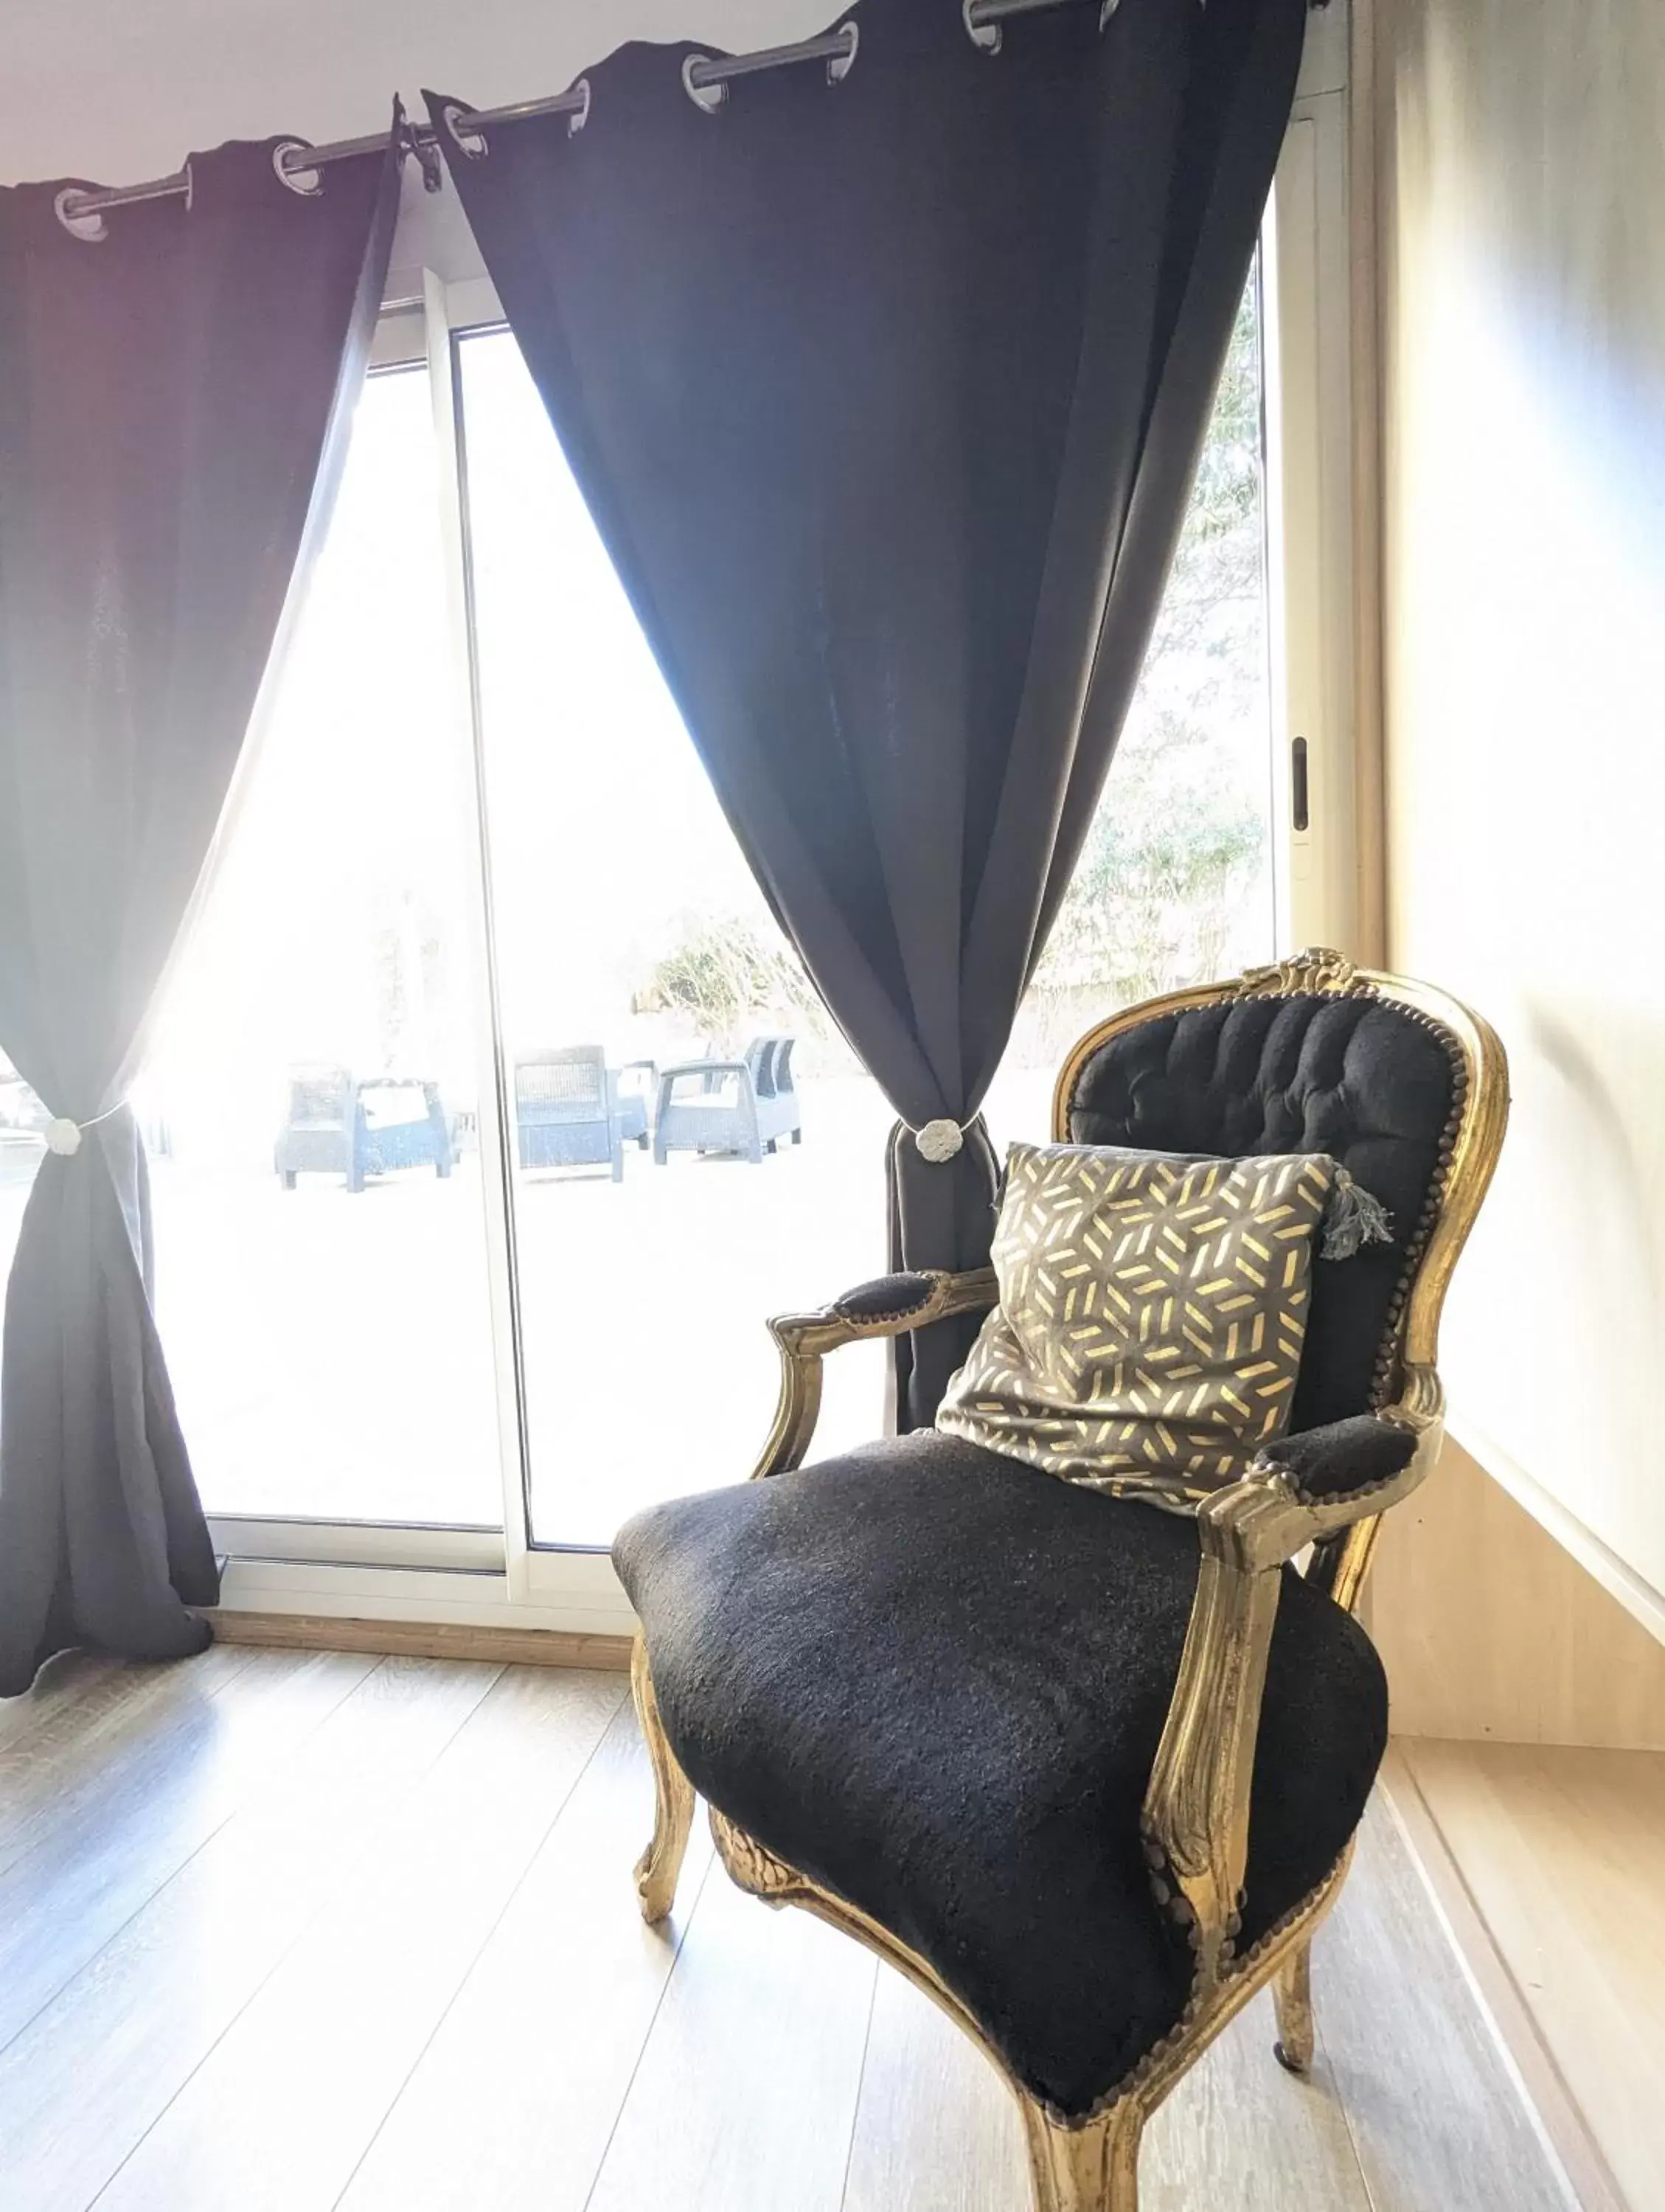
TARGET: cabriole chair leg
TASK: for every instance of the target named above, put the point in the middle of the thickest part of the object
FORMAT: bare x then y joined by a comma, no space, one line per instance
657,1867
1292,1995
1093,2168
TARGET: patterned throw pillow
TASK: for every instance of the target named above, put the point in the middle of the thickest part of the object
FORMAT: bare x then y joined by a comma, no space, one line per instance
1151,1312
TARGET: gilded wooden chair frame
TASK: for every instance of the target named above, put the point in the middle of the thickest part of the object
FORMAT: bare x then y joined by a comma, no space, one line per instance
1196,1816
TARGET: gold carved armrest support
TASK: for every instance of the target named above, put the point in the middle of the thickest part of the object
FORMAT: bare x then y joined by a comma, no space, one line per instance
1196,1807
890,1306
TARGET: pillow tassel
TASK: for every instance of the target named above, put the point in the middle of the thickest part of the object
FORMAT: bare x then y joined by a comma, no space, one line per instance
1354,1216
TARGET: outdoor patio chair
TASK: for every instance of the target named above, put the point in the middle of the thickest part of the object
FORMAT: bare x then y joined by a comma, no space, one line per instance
23,1124
1084,1758
339,1126
741,1107
569,1112
634,1102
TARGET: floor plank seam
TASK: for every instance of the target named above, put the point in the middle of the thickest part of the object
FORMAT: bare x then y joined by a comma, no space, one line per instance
166,1691
860,2084
18,1723
647,2033
143,1905
522,1868
447,2009
411,1784
1321,2054
1406,1778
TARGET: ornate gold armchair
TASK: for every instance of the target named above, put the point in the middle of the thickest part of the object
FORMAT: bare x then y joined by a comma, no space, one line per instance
1086,1777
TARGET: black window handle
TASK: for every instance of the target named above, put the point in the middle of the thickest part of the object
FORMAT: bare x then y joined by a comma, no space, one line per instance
1298,782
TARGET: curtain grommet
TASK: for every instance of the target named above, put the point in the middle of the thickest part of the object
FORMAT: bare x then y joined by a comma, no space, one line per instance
707,98
841,65
455,119
63,1137
581,115
90,228
309,183
986,37
938,1141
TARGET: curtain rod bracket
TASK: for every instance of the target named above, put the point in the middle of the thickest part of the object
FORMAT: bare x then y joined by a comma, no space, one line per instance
424,149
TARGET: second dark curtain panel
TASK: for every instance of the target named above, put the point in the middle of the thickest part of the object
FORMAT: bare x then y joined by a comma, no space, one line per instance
172,397
886,398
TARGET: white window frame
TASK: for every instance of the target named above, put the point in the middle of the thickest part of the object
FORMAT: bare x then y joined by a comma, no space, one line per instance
492,1579
1306,281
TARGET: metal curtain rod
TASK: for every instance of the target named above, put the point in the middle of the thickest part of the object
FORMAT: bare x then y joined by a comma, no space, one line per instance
706,77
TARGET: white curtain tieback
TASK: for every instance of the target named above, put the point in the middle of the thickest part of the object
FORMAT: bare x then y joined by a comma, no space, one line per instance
938,1141
64,1135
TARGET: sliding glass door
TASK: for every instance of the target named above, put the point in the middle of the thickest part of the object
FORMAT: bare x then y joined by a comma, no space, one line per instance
695,1146
490,1114
310,1098
1175,883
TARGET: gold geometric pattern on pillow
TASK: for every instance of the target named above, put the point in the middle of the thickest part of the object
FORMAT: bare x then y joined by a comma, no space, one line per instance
1151,1313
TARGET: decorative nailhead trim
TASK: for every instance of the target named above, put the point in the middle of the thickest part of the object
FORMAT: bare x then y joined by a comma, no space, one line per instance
873,1320
1165,1886
1240,1965
1304,1496
845,1311
1384,1381
1363,1490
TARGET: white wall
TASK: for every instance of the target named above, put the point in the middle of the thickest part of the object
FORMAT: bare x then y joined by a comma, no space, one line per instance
117,90
1524,374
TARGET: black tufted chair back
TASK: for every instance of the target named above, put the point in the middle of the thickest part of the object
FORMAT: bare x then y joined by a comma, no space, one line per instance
1375,1084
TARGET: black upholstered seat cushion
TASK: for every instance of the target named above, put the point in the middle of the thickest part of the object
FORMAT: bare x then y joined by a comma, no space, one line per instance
934,1679
1369,1082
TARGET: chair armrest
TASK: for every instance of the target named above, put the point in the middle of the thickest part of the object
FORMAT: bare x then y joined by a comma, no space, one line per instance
889,1305
886,1297
1344,1459
709,1071
700,1067
1195,1817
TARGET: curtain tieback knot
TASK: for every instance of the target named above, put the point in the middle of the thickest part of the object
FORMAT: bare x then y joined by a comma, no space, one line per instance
64,1135
939,1141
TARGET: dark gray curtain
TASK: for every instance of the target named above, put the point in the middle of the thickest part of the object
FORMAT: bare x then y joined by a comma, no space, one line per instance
171,404
886,398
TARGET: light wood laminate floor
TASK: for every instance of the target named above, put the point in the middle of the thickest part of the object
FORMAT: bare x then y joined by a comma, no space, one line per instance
1562,1853
284,1931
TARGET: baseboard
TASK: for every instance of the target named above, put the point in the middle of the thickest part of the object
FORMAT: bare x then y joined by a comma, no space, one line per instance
1543,2088
417,1639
